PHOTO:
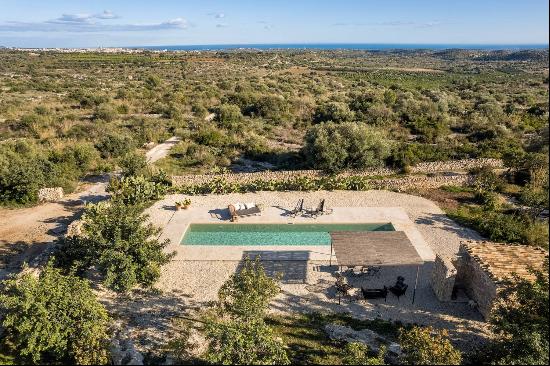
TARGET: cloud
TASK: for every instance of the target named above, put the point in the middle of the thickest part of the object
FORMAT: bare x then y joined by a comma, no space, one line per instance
393,23
265,24
89,23
107,14
217,15
434,23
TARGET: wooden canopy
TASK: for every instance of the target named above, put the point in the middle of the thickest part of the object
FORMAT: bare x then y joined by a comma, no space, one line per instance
374,248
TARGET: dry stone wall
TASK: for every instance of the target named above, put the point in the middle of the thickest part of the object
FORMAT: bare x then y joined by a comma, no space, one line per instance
50,194
443,278
423,168
476,281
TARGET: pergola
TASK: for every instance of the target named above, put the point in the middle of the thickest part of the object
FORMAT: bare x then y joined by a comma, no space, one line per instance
375,248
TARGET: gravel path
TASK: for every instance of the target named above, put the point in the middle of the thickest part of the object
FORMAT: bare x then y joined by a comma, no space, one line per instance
161,150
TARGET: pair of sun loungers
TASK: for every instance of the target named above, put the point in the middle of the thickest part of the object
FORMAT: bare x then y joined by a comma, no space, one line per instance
320,210
242,210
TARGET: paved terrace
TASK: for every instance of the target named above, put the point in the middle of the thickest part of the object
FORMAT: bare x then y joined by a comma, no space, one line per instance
178,224
307,285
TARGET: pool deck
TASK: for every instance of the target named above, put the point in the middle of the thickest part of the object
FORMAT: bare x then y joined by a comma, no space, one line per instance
179,222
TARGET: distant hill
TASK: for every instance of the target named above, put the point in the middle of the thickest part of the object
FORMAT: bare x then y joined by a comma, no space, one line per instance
539,55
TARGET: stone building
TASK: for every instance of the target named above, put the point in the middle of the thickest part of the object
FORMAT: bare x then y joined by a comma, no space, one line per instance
481,268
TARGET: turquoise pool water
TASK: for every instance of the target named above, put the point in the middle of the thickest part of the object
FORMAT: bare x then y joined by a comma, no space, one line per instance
270,234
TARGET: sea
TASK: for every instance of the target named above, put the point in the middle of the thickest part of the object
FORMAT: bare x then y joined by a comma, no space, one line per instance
344,46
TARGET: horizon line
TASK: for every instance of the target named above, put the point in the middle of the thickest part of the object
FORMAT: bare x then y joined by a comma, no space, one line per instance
247,45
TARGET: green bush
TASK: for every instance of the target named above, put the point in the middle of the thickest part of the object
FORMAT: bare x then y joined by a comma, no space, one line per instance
136,190
335,147
356,353
118,241
229,116
333,112
247,293
133,164
26,167
520,322
105,112
53,319
236,342
114,145
237,333
502,227
425,346
221,186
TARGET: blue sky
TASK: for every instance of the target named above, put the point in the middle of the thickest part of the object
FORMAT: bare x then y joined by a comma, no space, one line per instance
77,23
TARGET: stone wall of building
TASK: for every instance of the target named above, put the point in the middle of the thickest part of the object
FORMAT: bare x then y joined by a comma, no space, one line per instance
423,168
476,281
50,194
443,278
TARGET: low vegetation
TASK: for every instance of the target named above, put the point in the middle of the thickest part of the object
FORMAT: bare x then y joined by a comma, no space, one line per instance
117,240
53,319
346,109
520,323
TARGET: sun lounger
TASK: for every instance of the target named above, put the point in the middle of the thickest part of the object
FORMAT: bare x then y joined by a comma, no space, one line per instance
241,210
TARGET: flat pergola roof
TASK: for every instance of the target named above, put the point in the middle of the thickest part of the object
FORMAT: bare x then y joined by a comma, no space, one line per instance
374,248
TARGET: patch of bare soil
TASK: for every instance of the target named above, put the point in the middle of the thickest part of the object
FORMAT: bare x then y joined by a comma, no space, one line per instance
27,232
445,200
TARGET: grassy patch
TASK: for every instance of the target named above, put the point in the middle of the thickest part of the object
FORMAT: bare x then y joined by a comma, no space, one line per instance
307,341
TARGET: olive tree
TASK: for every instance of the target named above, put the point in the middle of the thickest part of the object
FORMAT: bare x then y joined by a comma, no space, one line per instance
237,333
333,147
117,240
53,319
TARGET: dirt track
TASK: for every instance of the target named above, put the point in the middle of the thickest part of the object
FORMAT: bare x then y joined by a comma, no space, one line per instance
26,232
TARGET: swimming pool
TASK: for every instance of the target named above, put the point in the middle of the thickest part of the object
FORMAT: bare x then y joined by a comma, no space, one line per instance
270,234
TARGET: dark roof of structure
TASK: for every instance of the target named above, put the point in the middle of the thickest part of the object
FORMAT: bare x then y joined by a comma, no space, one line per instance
374,248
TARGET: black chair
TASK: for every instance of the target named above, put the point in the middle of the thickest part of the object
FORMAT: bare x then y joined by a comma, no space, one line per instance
400,288
298,208
375,293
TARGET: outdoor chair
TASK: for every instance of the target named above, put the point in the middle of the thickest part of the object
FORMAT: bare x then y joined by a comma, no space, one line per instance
320,210
298,209
400,288
375,293
342,287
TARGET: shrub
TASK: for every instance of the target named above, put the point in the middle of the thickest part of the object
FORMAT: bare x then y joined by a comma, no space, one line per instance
356,353
333,111
118,241
237,334
333,147
114,145
519,321
236,342
229,116
248,292
105,112
53,319
25,168
133,164
425,346
136,190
